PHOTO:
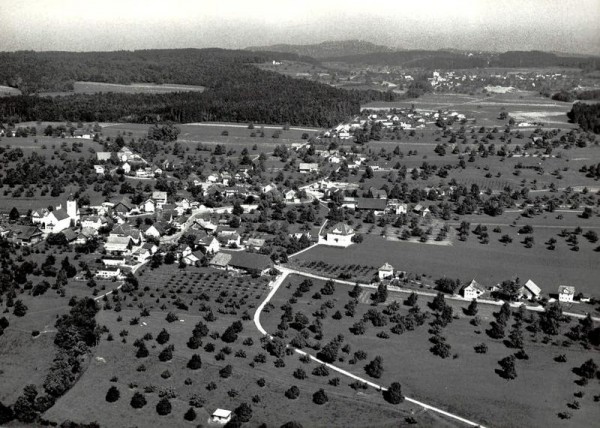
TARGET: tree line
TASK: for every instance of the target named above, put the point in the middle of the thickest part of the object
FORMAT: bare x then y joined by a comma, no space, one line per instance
587,116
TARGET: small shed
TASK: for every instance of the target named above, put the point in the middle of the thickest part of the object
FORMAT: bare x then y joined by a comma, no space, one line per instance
566,293
221,416
531,290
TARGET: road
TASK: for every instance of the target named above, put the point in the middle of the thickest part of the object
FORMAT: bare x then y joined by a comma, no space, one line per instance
133,270
275,286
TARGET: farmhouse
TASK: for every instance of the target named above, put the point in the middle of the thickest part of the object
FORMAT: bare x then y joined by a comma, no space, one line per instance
566,293
421,210
160,198
386,271
221,416
23,235
530,290
93,222
371,204
473,290
308,167
339,236
108,272
118,244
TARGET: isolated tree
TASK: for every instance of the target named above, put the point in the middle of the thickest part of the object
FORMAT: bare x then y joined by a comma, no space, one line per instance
138,400
375,368
293,392
412,299
142,351
166,354
472,308
382,293
508,367
163,337
14,214
393,394
320,397
355,291
515,336
195,362
438,303
113,394
20,309
588,369
163,407
441,349
190,415
229,336
226,371
328,288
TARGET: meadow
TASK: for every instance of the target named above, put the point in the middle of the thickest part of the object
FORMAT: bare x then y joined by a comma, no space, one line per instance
466,382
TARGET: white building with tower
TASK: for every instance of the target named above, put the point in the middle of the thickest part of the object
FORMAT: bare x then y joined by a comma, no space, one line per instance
58,219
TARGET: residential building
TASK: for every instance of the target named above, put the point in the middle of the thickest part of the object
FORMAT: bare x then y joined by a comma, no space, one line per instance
339,235
566,293
386,271
473,290
530,290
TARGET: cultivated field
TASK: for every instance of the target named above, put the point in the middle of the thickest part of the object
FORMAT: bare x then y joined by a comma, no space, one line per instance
134,88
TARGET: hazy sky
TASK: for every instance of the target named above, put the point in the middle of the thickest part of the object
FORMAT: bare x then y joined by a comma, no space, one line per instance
84,25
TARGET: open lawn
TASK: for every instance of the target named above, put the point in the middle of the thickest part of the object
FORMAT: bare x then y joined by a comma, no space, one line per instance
134,88
489,264
468,384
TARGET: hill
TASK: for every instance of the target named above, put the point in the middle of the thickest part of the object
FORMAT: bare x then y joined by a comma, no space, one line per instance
330,49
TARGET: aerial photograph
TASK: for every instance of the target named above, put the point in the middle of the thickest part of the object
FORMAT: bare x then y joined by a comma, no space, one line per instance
298,214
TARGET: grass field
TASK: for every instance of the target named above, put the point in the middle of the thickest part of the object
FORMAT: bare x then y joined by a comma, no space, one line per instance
489,264
466,385
7,91
134,88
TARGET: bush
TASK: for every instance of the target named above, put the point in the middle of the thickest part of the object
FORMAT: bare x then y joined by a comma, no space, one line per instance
113,394
299,374
171,317
292,393
226,371
320,397
163,407
138,400
243,412
375,368
166,354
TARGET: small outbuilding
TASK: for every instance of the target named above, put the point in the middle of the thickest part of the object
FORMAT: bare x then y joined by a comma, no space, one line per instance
221,416
530,290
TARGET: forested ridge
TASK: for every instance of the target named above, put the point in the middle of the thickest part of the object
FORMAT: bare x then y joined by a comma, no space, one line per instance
237,91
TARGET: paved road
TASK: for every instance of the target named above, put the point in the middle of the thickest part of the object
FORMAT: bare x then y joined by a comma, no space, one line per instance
275,286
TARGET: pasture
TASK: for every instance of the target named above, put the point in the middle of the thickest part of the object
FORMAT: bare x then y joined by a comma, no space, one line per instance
134,88
466,383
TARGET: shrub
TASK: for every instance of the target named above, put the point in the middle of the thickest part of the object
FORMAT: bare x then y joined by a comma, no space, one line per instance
163,337
113,394
190,415
171,317
375,368
243,412
226,371
321,370
261,382
394,394
299,374
166,354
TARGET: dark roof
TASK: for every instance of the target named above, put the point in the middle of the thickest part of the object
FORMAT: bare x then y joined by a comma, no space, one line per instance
60,214
371,204
23,232
250,261
70,234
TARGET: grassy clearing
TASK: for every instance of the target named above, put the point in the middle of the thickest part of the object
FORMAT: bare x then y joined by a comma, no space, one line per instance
468,384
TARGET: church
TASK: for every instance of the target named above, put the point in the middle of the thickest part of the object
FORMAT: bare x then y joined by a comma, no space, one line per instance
58,219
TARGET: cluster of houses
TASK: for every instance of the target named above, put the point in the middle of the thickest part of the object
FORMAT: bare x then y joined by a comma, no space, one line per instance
131,163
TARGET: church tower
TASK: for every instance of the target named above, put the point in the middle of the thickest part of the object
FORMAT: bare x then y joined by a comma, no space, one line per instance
72,210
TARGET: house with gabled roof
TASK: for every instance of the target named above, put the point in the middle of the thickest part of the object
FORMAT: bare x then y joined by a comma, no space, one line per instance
385,271
473,290
220,261
566,293
530,290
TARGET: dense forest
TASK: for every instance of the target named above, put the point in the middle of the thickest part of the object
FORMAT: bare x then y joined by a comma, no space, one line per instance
237,91
587,116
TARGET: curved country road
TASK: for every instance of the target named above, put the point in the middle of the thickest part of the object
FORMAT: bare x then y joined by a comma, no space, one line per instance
284,274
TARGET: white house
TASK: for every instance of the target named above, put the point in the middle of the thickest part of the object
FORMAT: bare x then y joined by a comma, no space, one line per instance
386,271
221,416
126,168
108,272
99,169
290,195
566,293
339,236
149,206
59,219
160,198
308,167
93,222
473,291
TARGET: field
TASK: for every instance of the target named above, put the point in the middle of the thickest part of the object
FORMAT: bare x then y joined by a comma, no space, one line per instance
489,264
201,288
7,90
522,105
134,88
466,384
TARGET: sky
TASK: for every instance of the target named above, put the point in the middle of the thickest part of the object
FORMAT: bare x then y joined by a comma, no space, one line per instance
571,26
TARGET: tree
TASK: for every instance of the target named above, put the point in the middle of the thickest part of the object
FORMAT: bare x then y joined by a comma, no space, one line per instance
113,394
190,415
163,407
328,288
516,336
472,308
588,369
382,293
293,392
20,309
441,349
243,412
375,368
138,400
163,337
508,367
6,414
320,397
14,214
393,394
195,362
412,299
438,303
229,336
226,371
166,354
142,351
